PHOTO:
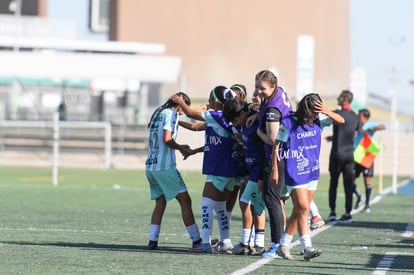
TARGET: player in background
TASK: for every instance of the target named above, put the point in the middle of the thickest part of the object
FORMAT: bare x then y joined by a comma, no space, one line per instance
367,128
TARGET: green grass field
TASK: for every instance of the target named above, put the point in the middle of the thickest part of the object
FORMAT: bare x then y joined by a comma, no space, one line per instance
86,226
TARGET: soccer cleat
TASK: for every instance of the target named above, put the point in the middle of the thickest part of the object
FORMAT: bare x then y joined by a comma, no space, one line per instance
239,249
283,251
256,250
152,245
345,218
332,217
272,252
316,222
310,252
201,248
214,242
197,243
222,247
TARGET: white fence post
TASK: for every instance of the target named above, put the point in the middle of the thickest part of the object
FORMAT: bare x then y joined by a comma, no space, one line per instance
395,157
108,146
55,172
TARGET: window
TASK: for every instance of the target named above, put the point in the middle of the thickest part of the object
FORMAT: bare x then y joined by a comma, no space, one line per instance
99,15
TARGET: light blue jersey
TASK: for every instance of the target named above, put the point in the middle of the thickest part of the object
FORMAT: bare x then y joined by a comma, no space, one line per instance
366,126
160,155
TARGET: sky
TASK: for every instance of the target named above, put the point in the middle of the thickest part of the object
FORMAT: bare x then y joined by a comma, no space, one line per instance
382,38
57,10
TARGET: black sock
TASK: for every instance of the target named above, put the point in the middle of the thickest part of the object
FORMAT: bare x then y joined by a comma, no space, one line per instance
356,191
368,194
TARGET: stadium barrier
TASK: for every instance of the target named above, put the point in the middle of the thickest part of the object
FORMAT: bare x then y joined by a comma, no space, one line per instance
74,137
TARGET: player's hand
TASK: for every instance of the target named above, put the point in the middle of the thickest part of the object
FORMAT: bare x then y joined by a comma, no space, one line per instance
251,119
274,175
176,98
186,151
321,107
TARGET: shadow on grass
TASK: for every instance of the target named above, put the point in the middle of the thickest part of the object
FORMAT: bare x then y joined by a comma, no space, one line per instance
395,256
319,266
99,246
375,225
394,262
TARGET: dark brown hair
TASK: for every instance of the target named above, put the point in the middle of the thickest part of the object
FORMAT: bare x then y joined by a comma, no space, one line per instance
306,108
168,104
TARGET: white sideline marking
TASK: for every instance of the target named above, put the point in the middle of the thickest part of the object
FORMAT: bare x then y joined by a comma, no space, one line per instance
54,230
74,187
408,230
252,267
256,265
33,229
385,264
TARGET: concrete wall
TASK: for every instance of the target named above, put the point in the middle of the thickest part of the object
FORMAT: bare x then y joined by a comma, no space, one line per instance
227,42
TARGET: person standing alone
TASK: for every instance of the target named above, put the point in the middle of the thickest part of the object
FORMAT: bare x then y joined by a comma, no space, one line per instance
367,128
341,159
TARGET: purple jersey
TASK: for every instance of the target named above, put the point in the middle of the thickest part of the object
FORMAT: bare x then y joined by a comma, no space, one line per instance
220,156
281,102
253,151
300,151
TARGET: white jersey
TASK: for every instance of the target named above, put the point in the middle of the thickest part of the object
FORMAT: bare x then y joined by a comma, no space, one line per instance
160,155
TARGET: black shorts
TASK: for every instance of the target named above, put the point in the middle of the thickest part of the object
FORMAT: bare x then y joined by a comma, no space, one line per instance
366,172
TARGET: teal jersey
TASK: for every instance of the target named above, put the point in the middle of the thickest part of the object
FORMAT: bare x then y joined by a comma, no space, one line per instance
366,126
160,155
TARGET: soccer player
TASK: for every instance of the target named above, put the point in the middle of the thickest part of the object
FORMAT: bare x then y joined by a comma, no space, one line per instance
276,105
219,165
298,144
251,200
164,179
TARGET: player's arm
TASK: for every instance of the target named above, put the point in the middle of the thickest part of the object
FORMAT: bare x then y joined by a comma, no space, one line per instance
198,150
273,118
197,126
195,151
251,119
188,111
322,108
377,128
170,142
274,174
272,128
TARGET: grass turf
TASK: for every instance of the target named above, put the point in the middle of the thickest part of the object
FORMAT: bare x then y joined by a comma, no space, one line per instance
85,225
